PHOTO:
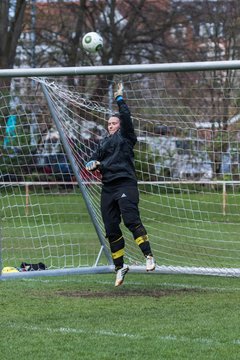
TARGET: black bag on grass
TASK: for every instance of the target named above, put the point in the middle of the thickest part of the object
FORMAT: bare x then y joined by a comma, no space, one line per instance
33,267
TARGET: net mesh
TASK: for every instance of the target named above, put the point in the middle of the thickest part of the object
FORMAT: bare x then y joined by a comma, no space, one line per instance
187,164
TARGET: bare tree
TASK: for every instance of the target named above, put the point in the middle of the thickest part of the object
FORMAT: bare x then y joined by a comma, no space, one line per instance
131,30
11,23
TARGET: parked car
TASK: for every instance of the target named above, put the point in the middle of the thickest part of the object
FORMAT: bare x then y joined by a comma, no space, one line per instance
182,158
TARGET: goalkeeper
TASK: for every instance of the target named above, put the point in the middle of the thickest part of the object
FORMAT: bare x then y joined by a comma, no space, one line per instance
114,158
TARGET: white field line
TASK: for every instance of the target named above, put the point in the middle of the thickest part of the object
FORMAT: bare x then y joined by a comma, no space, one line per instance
168,285
110,333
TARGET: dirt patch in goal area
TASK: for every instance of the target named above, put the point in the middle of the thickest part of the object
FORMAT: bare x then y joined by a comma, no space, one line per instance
123,293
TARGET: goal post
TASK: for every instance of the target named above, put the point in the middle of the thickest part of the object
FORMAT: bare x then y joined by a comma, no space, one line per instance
186,118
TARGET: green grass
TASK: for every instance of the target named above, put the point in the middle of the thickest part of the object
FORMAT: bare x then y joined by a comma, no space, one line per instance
149,317
57,230
185,229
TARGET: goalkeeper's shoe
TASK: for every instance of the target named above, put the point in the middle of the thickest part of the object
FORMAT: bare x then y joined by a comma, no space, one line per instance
150,263
120,275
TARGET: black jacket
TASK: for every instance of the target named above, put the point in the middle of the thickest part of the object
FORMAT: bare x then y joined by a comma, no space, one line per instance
115,152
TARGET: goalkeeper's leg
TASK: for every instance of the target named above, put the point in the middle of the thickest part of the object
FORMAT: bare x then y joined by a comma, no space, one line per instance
111,218
117,245
141,237
131,218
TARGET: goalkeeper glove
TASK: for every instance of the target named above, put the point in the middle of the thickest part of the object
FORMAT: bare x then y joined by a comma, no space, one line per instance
92,165
118,94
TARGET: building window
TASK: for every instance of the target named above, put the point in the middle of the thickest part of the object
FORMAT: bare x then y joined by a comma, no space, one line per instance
210,29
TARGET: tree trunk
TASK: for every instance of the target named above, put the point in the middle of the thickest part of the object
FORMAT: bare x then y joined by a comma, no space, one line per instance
10,31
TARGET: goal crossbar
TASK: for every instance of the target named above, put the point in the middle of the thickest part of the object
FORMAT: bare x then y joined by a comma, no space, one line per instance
122,69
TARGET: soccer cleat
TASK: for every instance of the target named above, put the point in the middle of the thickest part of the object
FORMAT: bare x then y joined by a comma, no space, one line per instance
150,263
120,275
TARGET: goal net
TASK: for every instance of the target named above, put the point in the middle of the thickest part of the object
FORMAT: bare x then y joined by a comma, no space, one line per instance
187,164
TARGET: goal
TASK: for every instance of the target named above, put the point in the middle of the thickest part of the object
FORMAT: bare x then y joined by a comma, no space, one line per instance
186,118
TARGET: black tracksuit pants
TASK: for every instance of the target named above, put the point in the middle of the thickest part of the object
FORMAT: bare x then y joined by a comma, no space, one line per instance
119,201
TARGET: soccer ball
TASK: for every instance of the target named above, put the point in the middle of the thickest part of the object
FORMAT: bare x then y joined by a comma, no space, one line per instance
92,42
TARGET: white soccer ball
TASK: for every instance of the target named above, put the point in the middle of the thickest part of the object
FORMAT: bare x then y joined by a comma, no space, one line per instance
92,42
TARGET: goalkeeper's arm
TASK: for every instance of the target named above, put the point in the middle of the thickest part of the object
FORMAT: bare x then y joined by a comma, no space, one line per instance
127,129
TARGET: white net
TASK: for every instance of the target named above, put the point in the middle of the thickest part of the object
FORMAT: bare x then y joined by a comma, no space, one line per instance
187,162
43,216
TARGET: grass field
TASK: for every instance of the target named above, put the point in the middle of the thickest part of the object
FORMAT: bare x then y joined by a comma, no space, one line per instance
185,230
149,317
